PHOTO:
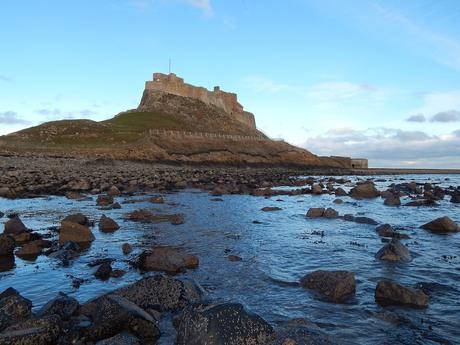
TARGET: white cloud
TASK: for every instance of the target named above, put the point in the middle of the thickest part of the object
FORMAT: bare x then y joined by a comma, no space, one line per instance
420,118
5,78
58,114
390,147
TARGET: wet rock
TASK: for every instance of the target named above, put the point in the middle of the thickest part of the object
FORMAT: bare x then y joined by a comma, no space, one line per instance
364,191
29,251
115,206
167,259
6,263
107,224
386,230
222,324
39,331
14,226
100,261
316,189
117,273
365,220
270,209
114,314
394,251
340,192
123,338
330,213
234,258
13,308
104,200
332,286
75,233
1,214
157,199
422,202
113,191
62,305
103,272
7,244
391,293
160,293
392,200
126,248
441,225
73,195
315,212
338,201
78,218
455,198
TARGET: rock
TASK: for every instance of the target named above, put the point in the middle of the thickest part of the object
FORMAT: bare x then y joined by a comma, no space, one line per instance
455,198
315,212
39,331
167,259
113,191
78,218
107,224
75,233
270,209
392,200
7,244
123,338
330,213
104,200
13,308
338,201
6,192
103,272
161,293
117,273
73,195
234,258
115,206
364,191
394,251
386,230
340,192
422,202
114,314
365,220
441,225
316,189
390,293
29,251
157,199
126,248
302,332
14,226
62,305
332,286
222,324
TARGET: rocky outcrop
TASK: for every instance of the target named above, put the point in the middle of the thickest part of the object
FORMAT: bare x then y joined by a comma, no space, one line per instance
217,324
441,225
391,293
394,251
167,259
332,286
364,191
13,308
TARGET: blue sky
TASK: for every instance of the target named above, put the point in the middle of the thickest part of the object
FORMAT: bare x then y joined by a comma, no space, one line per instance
379,79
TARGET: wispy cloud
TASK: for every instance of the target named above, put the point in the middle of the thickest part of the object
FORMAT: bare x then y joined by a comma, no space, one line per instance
442,48
446,116
61,114
419,118
203,5
5,78
11,118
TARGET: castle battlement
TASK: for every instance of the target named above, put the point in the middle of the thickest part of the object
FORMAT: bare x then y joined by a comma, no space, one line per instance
170,83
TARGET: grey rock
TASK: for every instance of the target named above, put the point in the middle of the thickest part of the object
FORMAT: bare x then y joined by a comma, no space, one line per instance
332,286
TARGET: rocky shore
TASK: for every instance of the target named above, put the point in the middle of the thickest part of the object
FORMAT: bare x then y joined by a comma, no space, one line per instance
144,311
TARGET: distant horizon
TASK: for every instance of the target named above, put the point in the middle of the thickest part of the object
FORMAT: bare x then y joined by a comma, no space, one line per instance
368,79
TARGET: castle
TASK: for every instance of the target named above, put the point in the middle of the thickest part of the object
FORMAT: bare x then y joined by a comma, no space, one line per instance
226,101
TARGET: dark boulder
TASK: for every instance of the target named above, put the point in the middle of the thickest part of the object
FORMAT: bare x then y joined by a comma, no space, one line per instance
455,198
126,248
104,200
123,338
394,251
302,332
391,293
315,212
386,230
392,201
75,232
14,226
78,218
103,272
107,224
340,192
7,244
113,314
332,286
441,225
62,305
365,220
13,308
222,324
270,209
38,331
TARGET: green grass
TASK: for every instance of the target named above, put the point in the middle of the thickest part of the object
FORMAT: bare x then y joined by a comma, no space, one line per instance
142,121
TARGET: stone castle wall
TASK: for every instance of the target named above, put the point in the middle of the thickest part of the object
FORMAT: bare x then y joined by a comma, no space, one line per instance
224,100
